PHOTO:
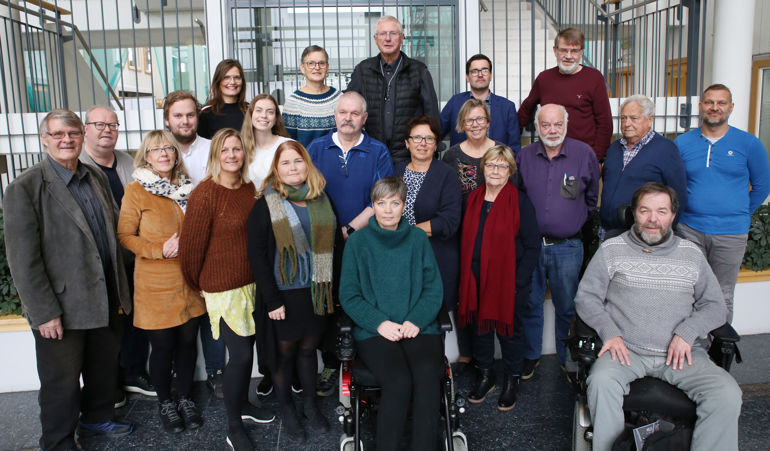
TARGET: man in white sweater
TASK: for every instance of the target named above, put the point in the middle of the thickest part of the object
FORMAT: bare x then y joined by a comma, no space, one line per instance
653,299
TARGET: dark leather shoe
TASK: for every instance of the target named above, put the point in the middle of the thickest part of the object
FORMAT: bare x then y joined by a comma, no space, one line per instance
485,384
507,398
169,417
190,415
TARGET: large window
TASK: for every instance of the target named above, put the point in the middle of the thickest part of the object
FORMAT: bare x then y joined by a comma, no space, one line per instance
268,39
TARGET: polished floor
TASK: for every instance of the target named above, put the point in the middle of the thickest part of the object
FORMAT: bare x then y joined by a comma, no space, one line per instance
541,419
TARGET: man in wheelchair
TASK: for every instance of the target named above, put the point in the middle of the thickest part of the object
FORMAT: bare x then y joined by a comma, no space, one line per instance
652,299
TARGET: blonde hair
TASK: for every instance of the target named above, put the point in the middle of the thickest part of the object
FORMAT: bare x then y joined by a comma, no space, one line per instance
214,164
500,151
466,109
247,129
315,180
158,137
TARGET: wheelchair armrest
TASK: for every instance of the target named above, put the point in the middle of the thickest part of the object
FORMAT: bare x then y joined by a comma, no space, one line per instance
444,322
344,323
724,348
346,346
726,333
583,343
583,330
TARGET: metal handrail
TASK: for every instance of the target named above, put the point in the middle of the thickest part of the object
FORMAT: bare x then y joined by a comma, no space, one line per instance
76,32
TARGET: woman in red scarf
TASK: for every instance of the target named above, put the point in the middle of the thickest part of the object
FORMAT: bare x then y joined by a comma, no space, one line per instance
499,250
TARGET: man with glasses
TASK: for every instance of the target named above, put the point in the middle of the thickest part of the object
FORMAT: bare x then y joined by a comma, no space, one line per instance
101,135
396,88
64,256
350,161
180,113
561,178
580,89
504,123
639,157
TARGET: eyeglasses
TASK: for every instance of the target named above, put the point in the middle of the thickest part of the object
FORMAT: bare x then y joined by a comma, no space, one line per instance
548,125
60,135
385,34
167,149
476,72
318,64
493,166
481,120
569,51
418,139
100,125
232,79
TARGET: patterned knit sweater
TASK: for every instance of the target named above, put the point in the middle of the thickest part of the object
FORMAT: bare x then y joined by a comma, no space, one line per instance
212,247
646,294
309,116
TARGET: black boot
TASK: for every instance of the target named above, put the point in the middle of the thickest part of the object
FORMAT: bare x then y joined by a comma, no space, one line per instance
508,396
315,419
291,425
485,384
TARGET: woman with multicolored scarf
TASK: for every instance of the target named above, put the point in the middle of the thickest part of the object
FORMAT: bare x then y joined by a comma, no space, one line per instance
293,235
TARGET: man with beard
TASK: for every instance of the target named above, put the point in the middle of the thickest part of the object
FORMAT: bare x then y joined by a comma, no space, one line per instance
722,162
561,177
503,122
180,113
652,298
580,89
640,156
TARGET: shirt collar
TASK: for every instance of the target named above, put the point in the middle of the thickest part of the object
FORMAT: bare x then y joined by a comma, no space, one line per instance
393,65
562,152
65,174
336,141
641,143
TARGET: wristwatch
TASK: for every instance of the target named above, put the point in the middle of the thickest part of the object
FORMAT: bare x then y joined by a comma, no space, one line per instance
349,229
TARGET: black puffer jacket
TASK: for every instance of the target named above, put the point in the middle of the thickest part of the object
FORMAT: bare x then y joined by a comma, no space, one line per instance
413,93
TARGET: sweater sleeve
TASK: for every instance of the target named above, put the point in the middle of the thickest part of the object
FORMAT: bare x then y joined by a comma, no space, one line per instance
128,226
425,310
759,175
360,310
384,165
527,107
591,293
709,310
196,232
260,231
447,218
603,118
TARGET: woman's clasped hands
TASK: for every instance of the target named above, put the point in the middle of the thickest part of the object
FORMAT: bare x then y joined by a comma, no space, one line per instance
395,332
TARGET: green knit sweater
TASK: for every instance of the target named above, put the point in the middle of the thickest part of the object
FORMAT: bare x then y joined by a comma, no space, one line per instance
390,275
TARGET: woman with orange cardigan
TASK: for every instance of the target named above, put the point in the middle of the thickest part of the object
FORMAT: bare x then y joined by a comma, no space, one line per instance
151,218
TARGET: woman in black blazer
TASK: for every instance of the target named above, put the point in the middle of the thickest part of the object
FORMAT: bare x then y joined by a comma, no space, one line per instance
433,200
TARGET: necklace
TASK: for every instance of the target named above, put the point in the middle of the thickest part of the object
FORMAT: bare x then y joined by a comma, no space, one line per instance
382,71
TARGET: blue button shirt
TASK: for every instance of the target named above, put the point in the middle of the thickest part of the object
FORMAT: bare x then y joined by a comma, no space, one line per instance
503,125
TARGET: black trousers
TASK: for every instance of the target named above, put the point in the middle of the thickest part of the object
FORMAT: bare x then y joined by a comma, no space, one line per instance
409,370
90,352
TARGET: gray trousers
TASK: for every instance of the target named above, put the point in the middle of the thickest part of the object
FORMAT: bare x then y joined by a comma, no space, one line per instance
725,256
715,392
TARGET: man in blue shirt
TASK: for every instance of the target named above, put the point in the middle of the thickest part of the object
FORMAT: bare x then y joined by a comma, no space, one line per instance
504,123
561,178
722,162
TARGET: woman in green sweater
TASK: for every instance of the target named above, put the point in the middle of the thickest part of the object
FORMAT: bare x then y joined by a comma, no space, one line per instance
392,290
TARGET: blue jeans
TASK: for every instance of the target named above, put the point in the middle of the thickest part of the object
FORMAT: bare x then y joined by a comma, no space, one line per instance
213,350
560,265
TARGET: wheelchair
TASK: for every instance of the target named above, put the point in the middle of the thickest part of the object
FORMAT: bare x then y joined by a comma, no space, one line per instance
649,399
359,392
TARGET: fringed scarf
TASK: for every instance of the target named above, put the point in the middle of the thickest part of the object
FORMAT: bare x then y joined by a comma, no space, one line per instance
494,311
308,260
161,186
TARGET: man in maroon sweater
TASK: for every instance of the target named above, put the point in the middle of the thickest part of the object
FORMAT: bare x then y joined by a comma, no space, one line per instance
580,89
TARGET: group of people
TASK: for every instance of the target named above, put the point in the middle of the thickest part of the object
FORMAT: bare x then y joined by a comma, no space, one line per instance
253,226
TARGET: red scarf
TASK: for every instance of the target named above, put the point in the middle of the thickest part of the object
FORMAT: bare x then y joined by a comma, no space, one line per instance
498,262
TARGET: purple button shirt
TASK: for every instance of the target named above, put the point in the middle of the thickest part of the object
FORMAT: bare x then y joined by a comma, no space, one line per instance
564,190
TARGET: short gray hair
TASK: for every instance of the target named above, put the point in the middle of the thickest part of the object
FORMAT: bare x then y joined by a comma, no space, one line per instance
100,107
388,186
390,18
354,94
648,108
67,117
561,107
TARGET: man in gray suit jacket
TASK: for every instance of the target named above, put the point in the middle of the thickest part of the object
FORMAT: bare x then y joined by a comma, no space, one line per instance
60,222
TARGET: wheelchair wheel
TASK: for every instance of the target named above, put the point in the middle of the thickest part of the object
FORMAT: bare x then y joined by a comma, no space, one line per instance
347,443
581,422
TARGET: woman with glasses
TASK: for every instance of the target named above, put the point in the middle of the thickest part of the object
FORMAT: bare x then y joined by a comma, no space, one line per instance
465,157
226,104
499,248
215,261
433,199
165,306
262,131
309,111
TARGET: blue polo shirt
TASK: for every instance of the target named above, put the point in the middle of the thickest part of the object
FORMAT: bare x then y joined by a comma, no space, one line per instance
503,126
349,182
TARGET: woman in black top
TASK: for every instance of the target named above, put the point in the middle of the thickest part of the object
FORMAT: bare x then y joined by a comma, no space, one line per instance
226,104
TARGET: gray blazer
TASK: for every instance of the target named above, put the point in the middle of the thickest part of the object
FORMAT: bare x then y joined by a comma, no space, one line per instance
124,168
52,253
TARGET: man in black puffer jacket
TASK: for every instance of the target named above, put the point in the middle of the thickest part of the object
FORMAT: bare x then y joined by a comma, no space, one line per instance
396,88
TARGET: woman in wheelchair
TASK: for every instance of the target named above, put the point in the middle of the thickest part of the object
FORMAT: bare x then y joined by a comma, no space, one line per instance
391,289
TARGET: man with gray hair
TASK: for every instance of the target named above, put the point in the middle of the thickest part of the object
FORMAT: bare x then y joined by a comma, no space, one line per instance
64,256
561,177
640,156
396,87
